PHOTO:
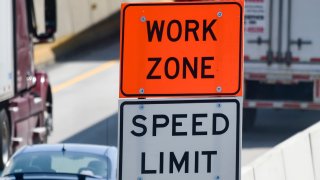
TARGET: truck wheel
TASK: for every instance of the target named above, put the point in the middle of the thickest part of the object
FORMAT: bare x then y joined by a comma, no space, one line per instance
48,112
249,117
5,139
37,139
48,118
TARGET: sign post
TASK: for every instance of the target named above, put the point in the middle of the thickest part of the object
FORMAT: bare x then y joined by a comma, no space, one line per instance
181,78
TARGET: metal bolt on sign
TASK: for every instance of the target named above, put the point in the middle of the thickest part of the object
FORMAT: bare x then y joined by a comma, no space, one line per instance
219,14
219,89
141,106
217,177
143,19
141,91
219,105
139,178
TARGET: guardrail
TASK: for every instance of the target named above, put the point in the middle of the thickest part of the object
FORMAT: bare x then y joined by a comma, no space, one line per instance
297,158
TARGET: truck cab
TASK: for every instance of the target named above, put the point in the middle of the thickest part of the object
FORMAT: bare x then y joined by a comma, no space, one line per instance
25,92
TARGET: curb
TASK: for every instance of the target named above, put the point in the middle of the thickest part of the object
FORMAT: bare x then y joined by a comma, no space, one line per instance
44,54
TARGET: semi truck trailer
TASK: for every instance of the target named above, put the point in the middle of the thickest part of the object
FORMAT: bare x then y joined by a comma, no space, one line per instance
25,92
281,56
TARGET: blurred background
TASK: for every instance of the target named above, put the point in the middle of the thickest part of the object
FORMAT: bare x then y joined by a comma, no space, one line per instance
83,66
82,61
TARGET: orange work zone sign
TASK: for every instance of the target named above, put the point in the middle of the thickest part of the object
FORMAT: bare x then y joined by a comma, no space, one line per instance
181,49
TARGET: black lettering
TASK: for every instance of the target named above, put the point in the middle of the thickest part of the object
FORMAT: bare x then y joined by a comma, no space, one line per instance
177,68
209,154
196,123
159,125
208,29
193,29
204,67
178,165
143,165
150,74
192,70
161,163
169,31
142,126
214,128
196,164
175,124
155,28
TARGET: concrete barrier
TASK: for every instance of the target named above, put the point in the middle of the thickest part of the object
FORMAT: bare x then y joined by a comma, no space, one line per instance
75,16
247,173
315,149
270,166
295,159
80,24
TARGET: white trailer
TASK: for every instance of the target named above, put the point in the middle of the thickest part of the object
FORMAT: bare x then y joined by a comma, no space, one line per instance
6,51
282,56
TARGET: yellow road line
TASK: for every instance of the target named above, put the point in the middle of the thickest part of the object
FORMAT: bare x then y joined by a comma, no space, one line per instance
84,76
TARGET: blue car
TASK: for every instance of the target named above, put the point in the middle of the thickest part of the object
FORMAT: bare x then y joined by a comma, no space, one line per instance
62,161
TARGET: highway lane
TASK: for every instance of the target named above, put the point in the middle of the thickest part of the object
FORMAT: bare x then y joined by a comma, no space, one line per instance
86,111
84,104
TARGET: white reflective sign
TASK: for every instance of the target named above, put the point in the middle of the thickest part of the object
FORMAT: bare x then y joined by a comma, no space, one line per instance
176,139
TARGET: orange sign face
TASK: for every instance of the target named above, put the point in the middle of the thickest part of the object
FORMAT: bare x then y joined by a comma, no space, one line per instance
181,49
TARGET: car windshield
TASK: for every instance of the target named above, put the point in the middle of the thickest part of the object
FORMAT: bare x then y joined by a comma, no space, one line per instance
59,162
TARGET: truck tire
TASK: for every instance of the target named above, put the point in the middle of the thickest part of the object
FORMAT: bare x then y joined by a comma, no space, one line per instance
5,139
38,139
48,125
48,118
48,112
249,118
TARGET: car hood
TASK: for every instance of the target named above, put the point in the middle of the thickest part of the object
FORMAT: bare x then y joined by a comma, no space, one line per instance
48,176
